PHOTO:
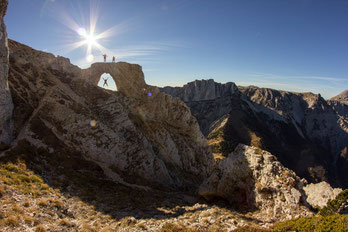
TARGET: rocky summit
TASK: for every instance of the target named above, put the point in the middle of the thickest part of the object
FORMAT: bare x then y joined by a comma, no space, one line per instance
135,138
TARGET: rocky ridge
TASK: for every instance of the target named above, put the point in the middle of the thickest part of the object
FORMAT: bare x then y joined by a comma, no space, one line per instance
342,97
305,132
135,138
6,105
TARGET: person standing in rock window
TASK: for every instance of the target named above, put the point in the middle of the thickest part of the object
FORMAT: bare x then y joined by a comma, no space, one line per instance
113,59
105,82
105,57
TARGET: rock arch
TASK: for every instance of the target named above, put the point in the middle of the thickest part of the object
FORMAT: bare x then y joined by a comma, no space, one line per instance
129,78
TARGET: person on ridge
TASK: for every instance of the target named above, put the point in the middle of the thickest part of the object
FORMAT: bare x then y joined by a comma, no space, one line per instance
105,57
113,59
105,82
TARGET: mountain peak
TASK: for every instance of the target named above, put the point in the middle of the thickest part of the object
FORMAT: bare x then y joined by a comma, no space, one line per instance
342,97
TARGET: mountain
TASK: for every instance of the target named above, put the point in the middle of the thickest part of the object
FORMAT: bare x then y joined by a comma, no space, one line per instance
305,132
76,137
77,157
342,97
135,138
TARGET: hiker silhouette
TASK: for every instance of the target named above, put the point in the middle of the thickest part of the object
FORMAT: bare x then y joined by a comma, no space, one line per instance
105,57
113,59
105,82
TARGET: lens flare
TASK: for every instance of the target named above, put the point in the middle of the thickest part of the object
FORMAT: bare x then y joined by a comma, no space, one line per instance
90,58
82,31
93,123
90,39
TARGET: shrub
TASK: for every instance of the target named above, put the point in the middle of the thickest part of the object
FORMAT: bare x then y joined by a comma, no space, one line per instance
337,223
334,205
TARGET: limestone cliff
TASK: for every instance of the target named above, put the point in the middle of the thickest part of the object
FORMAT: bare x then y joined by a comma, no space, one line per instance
137,138
308,134
6,105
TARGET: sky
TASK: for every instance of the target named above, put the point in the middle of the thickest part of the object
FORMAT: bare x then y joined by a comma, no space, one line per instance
294,45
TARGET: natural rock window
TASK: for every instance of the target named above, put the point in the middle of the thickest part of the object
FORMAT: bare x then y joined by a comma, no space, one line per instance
111,85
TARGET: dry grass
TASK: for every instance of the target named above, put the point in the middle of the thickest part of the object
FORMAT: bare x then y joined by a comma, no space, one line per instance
12,221
40,228
65,222
87,201
2,191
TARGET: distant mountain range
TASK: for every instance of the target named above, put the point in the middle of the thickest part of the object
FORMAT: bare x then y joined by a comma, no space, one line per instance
307,133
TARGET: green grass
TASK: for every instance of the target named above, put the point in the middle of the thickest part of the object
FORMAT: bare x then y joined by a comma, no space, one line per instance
334,205
336,222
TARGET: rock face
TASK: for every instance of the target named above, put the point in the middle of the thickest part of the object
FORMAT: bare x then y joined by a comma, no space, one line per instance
340,103
319,194
307,134
207,99
253,179
342,97
6,105
137,138
202,90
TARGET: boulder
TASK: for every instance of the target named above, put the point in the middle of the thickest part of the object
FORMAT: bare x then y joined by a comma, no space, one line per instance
251,178
319,194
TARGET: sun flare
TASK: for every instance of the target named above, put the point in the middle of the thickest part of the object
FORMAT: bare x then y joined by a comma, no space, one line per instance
91,40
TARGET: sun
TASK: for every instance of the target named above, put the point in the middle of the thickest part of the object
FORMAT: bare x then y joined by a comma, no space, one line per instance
88,38
91,40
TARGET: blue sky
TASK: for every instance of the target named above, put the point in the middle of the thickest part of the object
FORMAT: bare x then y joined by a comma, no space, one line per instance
296,45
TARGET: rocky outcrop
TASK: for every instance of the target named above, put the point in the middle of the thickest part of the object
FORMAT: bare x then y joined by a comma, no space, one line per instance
319,194
202,90
342,97
6,105
137,138
207,100
340,103
251,178
305,132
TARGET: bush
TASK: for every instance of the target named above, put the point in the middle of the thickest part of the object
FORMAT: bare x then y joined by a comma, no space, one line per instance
334,205
337,223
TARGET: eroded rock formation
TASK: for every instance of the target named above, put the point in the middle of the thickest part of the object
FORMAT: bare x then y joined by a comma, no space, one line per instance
6,105
251,178
137,138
